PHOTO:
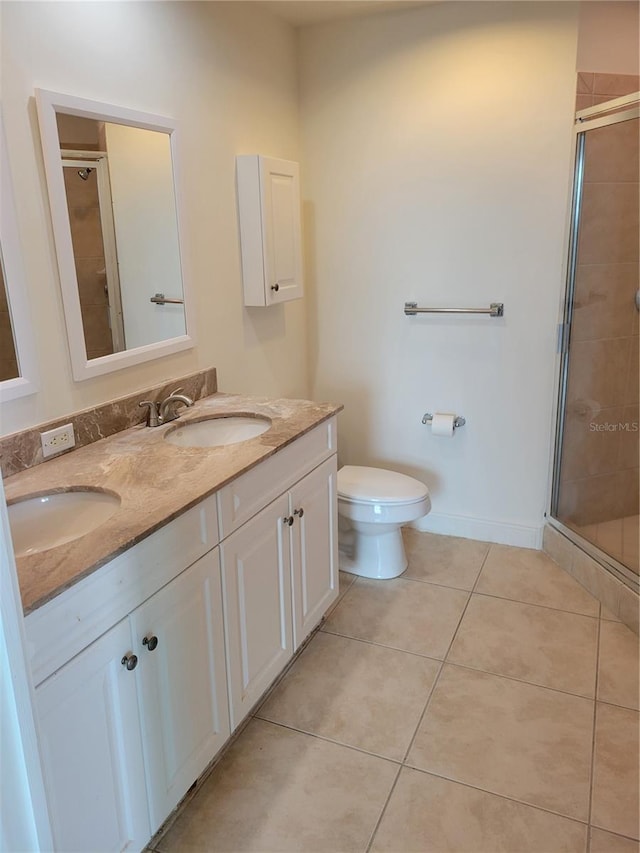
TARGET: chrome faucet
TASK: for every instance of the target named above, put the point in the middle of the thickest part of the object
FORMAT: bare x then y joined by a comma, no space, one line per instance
165,411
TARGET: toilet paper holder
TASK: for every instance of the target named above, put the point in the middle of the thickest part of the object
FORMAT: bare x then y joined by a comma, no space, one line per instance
457,421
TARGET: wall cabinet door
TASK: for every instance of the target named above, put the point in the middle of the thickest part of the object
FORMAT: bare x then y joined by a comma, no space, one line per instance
270,231
256,580
314,548
92,750
179,638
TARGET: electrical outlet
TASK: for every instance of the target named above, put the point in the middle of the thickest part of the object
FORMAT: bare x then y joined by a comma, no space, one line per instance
57,440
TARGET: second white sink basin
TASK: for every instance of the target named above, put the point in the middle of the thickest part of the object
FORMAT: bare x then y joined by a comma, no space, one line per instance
217,432
45,521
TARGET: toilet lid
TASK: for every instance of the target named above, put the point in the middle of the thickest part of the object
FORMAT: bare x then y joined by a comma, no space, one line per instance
356,482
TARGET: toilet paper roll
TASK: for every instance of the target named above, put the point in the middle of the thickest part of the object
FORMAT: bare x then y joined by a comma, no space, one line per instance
442,424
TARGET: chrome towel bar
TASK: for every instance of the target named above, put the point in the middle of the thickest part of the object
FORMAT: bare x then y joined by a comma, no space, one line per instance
496,309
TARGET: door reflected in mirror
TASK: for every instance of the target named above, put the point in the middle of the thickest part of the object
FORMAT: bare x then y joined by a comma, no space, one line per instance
121,204
8,358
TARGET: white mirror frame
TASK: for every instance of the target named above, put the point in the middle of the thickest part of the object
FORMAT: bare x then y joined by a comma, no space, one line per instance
49,104
15,284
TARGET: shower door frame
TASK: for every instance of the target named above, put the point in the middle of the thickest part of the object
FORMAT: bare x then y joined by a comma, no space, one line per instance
617,110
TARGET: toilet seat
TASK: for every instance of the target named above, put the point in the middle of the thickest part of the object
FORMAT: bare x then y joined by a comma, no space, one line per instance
359,484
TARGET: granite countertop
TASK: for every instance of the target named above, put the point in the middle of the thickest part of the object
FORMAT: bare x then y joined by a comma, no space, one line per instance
155,480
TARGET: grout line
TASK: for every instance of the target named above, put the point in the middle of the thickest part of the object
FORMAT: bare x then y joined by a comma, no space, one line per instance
326,739
615,834
543,606
437,678
405,577
383,811
432,583
381,645
520,680
616,705
340,598
424,711
495,794
593,736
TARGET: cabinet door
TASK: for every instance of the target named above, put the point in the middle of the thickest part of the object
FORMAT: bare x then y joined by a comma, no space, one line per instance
256,580
183,697
314,548
281,224
92,751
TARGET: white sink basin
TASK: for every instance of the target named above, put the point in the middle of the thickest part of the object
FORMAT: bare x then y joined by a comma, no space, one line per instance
45,521
216,432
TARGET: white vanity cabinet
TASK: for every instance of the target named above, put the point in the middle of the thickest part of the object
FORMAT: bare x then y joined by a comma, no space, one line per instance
270,232
256,582
137,716
91,748
182,690
279,568
125,726
313,505
144,667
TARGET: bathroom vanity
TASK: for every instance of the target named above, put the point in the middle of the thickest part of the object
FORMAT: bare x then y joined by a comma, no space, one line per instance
155,638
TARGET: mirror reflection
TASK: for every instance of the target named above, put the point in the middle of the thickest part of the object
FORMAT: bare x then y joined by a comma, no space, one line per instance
8,357
122,213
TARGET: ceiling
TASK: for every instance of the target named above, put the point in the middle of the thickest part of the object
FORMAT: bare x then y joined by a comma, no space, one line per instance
304,12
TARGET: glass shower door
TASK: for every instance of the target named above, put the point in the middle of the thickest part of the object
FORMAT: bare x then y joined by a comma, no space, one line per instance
596,492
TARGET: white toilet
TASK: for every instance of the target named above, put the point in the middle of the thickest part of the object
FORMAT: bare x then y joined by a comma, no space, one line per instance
373,504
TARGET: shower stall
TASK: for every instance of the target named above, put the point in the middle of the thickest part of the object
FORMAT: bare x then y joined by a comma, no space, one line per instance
595,485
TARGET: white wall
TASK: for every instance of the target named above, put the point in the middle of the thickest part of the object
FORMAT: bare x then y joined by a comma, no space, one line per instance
227,72
609,37
437,159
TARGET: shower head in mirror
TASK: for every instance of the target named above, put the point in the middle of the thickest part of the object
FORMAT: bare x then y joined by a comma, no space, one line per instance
84,173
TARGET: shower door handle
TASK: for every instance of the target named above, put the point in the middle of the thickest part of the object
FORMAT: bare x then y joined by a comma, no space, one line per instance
161,299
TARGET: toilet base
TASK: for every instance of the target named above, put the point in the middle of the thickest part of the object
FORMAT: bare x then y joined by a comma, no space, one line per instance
372,555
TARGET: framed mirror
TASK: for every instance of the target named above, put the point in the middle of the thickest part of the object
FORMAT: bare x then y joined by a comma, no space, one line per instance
17,357
113,193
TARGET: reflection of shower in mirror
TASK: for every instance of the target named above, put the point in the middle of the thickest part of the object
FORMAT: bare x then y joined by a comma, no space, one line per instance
114,209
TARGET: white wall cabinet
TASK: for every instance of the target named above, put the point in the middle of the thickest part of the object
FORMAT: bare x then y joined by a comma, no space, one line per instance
121,744
280,576
270,231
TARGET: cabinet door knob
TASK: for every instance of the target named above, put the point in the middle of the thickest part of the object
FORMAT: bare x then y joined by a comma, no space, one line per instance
288,519
130,661
275,287
299,512
150,642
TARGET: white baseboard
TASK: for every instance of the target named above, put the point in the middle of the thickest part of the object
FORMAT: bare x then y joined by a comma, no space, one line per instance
481,528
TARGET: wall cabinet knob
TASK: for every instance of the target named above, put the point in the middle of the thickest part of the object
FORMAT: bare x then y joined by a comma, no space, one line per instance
299,512
288,519
130,661
150,642
275,287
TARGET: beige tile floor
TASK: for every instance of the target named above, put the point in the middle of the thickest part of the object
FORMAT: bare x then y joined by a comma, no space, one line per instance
480,703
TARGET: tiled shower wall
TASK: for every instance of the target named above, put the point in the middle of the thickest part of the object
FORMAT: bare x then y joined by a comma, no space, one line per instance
88,251
8,360
599,475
